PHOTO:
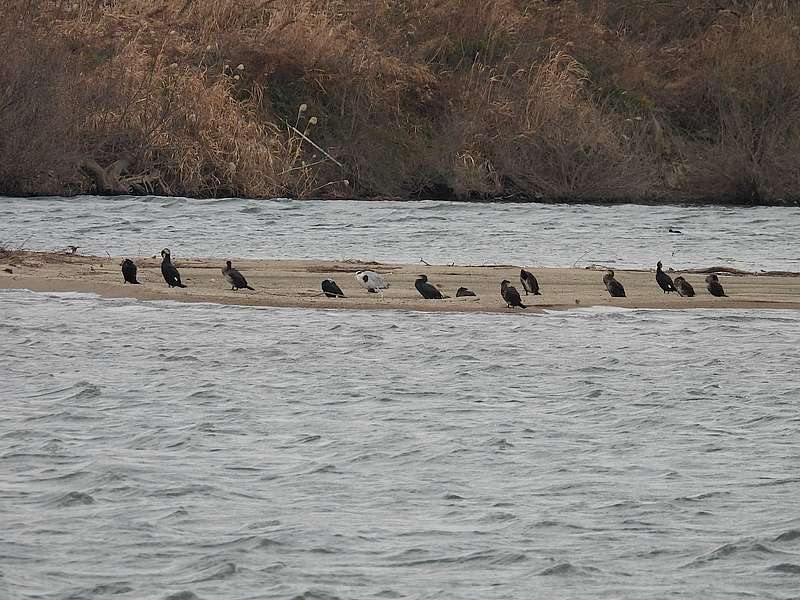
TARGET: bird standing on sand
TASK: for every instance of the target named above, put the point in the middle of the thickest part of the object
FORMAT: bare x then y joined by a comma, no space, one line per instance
613,286
510,294
129,271
426,290
331,290
462,291
168,270
371,281
235,278
529,283
683,287
714,287
663,280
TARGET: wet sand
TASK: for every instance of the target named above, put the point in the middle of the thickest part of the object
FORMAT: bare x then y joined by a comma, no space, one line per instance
296,283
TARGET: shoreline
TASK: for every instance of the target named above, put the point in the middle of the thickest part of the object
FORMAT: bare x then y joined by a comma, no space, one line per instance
512,199
296,283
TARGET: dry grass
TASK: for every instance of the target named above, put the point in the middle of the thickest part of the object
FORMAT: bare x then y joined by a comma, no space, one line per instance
753,87
581,99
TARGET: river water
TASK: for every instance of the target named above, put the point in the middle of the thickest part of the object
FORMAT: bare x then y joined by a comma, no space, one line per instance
542,235
155,450
164,450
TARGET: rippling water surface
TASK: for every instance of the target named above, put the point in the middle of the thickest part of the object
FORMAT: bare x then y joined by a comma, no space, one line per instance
439,232
155,449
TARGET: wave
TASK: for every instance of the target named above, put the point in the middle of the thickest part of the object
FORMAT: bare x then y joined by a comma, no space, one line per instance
788,568
730,550
72,499
566,569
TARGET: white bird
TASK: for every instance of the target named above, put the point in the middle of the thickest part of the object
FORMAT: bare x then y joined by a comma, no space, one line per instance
371,281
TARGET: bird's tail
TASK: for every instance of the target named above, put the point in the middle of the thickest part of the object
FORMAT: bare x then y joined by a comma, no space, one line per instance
521,305
249,288
135,282
179,285
537,293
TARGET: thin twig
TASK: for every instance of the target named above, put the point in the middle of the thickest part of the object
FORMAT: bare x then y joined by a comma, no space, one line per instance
577,260
310,141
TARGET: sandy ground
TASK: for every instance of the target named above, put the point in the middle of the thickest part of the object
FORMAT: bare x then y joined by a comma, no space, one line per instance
297,284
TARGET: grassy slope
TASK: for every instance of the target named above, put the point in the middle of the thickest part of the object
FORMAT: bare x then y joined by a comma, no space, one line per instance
576,100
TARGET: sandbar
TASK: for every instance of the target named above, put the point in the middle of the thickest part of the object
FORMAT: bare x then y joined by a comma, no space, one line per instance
296,283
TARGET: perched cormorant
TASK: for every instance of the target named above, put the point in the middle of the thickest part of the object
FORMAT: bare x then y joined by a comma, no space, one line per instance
462,291
529,283
714,287
613,286
664,281
235,278
426,290
371,281
510,294
331,289
683,287
168,270
129,271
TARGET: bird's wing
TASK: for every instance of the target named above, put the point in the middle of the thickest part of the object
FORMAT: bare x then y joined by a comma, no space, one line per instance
373,282
380,282
238,278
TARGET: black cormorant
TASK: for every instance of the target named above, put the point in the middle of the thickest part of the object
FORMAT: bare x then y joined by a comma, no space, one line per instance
683,287
529,283
331,290
664,281
426,290
129,271
235,278
714,287
462,291
613,286
510,294
168,270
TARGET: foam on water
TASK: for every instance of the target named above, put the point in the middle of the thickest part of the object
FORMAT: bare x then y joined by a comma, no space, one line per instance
157,450
440,232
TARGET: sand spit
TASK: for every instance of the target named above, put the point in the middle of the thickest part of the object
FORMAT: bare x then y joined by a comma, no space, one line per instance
296,283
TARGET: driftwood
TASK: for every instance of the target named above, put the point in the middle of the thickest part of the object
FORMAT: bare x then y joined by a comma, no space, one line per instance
112,180
108,180
732,271
707,270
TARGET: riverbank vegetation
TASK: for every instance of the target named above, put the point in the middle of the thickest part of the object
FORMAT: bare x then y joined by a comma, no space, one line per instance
620,100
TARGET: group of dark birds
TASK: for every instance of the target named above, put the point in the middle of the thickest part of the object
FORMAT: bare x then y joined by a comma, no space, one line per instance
173,277
374,282
667,284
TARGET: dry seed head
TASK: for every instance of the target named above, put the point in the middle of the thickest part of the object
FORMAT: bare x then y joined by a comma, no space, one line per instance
312,121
